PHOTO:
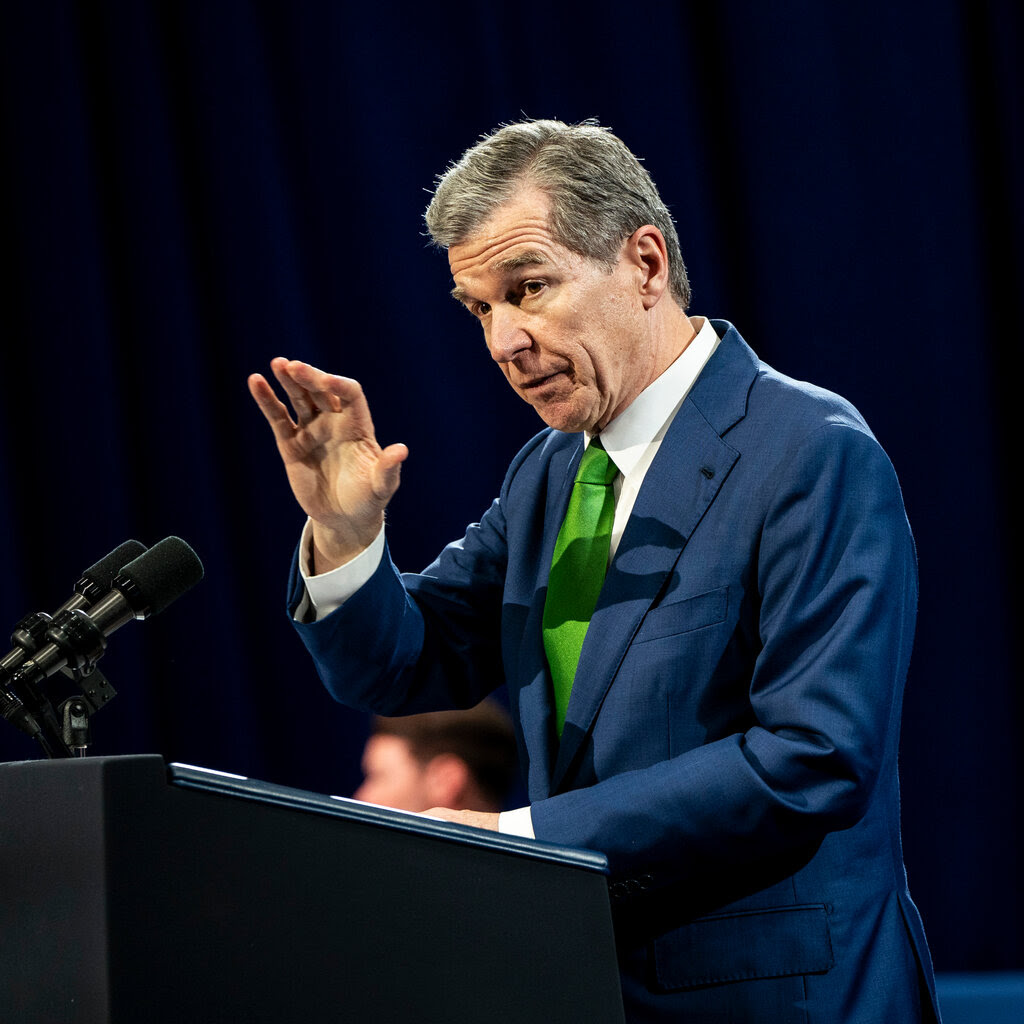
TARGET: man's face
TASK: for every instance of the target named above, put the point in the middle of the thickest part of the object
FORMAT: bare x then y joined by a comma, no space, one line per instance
393,777
570,336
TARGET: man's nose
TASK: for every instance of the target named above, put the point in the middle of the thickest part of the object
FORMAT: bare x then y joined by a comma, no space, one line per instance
508,335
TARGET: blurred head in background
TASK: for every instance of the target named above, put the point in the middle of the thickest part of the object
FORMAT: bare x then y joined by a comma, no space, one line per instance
465,760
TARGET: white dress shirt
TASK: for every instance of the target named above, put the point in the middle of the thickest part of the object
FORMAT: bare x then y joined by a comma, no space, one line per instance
632,440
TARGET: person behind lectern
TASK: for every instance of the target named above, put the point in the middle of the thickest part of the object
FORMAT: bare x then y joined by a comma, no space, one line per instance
698,582
456,759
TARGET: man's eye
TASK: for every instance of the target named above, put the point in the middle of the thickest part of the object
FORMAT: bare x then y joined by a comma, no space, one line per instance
533,287
481,309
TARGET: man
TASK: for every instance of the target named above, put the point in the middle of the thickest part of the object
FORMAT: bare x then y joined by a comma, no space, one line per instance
727,731
457,759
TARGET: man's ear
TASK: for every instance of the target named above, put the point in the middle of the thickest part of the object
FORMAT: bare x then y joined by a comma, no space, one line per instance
446,778
646,251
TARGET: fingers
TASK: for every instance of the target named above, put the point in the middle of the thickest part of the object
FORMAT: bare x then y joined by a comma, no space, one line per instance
313,389
478,819
301,390
309,391
272,408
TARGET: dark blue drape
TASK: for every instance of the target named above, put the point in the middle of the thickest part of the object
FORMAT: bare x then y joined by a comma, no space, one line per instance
191,188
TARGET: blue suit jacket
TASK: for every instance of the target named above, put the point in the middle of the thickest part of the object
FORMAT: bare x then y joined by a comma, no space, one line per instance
731,738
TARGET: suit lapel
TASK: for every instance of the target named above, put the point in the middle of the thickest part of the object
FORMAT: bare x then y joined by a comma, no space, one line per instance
682,482
535,700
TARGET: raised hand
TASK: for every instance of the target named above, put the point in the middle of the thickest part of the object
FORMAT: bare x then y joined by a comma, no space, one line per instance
338,472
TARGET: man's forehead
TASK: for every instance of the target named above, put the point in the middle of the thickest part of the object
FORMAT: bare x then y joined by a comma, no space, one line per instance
522,217
500,240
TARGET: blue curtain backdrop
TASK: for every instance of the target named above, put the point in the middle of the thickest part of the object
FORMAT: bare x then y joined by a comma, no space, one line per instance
191,188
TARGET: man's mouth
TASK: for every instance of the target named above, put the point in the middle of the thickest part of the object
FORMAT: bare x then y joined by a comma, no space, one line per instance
536,382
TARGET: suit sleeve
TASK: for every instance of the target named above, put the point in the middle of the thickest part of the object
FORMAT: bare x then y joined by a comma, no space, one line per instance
407,643
836,585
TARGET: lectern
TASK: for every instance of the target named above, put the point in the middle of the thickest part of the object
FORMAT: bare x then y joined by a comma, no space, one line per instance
135,892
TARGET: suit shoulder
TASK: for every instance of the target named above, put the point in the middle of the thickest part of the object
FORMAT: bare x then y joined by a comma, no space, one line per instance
799,407
737,391
799,433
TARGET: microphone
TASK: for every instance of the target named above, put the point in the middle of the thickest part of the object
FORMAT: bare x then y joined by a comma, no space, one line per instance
99,578
143,587
95,581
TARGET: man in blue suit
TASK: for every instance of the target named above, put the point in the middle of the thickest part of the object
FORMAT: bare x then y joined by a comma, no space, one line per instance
730,736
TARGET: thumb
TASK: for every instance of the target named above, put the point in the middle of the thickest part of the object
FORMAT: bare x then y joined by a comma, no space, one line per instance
389,470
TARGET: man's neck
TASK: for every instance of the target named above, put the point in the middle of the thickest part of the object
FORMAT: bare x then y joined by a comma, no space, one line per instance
673,331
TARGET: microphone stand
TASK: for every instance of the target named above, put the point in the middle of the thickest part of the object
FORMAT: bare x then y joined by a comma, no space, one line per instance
63,730
75,722
73,640
76,711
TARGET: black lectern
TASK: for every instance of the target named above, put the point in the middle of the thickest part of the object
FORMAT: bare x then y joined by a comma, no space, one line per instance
132,892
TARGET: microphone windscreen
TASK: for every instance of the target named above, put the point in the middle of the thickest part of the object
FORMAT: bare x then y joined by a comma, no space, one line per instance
99,578
160,575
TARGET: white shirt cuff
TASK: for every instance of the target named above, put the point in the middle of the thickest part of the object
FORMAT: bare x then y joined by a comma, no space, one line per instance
517,823
330,590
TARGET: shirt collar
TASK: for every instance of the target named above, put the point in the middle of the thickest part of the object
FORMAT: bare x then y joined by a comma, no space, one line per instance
647,417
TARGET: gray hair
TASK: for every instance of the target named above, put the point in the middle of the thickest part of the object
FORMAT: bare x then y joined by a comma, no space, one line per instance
599,192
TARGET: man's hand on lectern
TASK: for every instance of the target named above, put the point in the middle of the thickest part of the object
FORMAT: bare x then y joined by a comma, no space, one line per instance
478,819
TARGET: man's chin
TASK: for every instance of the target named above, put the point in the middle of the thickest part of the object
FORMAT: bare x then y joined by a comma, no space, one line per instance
559,406
562,417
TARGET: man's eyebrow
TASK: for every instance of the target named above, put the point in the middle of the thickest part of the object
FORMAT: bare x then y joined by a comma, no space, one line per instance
530,258
521,259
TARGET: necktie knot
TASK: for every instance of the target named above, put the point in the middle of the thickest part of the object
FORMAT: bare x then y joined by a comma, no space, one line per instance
596,466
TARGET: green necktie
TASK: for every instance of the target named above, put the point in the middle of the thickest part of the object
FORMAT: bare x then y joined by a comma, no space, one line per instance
578,569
